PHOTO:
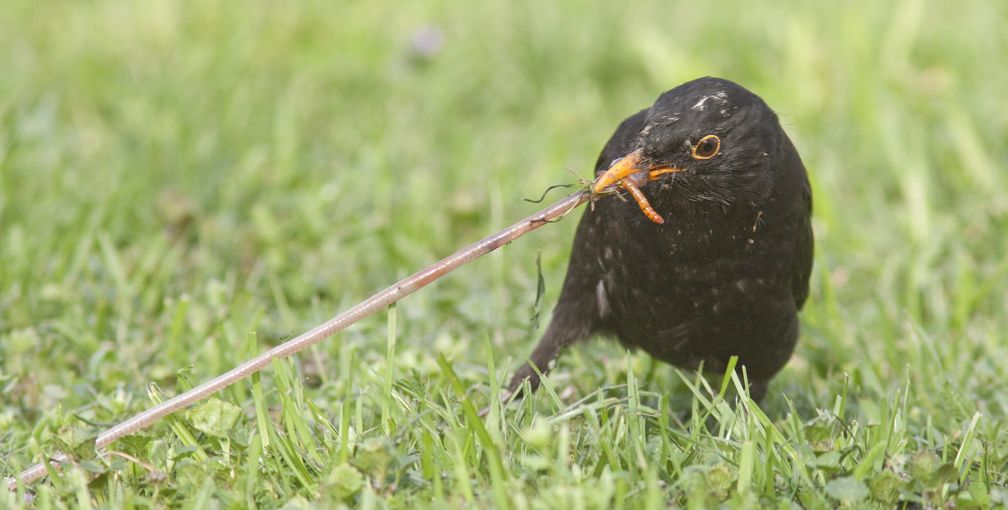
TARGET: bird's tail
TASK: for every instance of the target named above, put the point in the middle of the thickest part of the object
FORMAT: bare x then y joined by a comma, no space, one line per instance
571,323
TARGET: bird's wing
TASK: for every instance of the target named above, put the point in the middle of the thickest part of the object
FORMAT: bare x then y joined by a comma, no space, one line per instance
802,266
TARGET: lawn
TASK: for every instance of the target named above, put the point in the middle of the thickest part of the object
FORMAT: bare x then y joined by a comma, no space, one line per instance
185,184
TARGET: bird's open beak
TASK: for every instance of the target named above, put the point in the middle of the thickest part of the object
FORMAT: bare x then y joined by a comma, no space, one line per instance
619,170
628,174
629,169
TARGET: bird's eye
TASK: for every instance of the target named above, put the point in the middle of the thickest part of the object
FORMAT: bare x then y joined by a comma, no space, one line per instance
707,147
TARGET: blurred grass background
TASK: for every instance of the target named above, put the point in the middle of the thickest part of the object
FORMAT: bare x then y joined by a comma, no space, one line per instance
176,175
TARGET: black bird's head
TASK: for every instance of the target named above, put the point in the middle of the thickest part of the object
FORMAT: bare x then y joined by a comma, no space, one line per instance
708,140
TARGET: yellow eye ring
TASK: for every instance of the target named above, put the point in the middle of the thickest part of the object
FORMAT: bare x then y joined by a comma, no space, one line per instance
706,148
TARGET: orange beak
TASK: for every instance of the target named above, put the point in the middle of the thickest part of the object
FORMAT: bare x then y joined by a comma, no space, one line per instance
619,170
627,167
628,174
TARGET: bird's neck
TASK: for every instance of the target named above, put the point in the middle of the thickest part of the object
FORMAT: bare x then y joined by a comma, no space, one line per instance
692,230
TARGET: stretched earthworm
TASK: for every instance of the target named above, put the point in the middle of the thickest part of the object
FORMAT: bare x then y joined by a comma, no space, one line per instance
377,302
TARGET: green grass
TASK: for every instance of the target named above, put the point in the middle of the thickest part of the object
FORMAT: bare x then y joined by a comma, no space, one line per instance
183,184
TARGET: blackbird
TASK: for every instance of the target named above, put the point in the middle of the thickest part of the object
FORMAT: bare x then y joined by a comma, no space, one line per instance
713,259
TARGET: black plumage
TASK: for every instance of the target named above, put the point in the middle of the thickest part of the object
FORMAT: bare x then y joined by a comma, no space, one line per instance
727,271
